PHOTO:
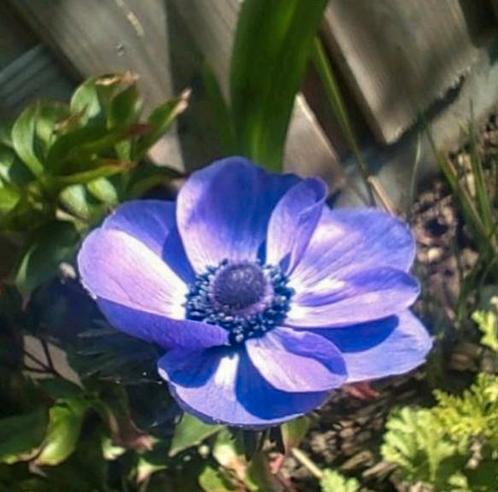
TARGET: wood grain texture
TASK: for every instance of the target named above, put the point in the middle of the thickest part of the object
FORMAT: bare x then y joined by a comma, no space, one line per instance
400,57
33,75
15,38
212,25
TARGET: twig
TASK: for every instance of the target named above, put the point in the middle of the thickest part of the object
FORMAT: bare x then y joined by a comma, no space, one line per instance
307,463
34,369
48,356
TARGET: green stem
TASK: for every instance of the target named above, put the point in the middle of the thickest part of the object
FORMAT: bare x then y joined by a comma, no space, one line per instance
325,72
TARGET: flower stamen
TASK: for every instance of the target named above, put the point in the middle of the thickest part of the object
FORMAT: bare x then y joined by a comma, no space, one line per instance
246,298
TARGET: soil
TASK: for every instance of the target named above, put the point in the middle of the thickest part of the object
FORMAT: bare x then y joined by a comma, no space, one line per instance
346,434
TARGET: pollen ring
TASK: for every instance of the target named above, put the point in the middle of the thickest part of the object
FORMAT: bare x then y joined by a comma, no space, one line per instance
246,298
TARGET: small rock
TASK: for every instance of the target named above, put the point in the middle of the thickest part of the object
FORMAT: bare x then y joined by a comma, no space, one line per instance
434,254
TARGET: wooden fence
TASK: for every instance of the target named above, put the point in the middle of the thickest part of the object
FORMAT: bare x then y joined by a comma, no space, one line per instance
396,59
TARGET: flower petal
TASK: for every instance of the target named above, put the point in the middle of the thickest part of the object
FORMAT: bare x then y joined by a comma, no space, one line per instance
359,297
297,361
166,332
293,221
224,209
221,385
350,240
116,267
393,345
153,223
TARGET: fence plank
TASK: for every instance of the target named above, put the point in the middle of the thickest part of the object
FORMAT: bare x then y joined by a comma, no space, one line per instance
15,39
399,56
33,75
212,25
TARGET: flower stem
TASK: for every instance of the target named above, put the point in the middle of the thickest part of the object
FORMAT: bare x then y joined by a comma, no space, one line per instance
307,463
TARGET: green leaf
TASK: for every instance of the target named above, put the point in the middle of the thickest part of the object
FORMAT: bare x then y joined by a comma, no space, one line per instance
65,420
104,190
105,169
85,470
294,431
487,321
417,442
21,436
216,480
12,170
125,107
190,432
147,176
6,134
220,111
271,49
75,199
338,106
58,388
110,450
333,481
9,198
80,145
473,414
23,139
52,244
91,99
53,117
160,121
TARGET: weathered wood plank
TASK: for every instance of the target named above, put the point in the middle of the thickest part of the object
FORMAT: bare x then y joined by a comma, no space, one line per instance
400,57
212,25
102,36
15,38
33,75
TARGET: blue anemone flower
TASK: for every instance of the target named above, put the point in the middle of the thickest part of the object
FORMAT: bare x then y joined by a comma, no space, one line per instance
263,298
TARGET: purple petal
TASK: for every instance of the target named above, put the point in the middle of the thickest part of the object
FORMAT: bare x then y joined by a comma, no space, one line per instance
116,267
153,222
394,345
356,298
166,332
221,385
350,240
224,209
293,221
297,361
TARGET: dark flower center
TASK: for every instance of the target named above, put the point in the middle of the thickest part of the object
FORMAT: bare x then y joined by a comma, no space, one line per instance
239,286
246,298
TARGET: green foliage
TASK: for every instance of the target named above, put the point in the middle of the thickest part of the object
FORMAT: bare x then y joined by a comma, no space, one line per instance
338,107
190,432
417,442
473,185
63,166
487,321
438,446
21,436
472,415
333,481
65,421
293,432
266,71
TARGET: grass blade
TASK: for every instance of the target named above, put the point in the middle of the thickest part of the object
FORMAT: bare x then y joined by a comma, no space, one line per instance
271,49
